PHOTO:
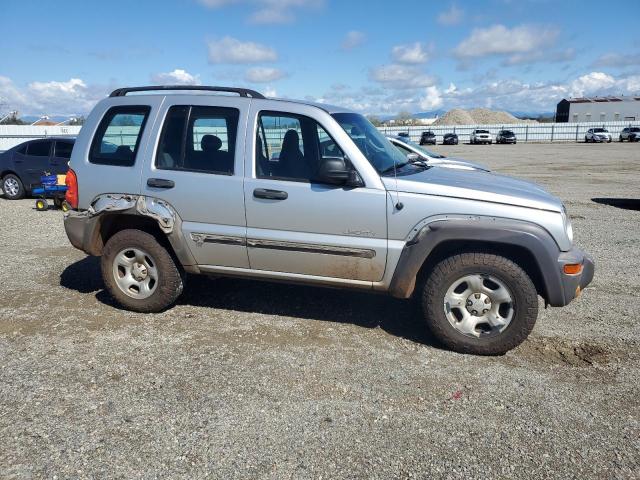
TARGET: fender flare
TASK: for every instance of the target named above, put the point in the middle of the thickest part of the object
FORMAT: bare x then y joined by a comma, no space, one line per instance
494,231
83,228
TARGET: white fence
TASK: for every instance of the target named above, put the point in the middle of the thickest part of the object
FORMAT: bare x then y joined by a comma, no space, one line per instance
11,135
525,132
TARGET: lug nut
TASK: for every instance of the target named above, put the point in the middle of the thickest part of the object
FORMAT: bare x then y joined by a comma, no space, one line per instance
486,300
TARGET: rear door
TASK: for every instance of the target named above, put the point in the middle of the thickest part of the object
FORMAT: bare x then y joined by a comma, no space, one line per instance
197,167
296,224
33,163
61,155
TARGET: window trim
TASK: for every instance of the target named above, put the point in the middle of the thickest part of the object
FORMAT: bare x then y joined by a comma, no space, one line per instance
185,136
278,113
104,125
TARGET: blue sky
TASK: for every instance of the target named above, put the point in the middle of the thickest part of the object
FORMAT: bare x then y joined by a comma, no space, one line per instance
59,58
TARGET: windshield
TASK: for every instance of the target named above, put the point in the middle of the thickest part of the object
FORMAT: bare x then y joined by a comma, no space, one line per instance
634,129
482,131
382,155
507,133
421,148
600,130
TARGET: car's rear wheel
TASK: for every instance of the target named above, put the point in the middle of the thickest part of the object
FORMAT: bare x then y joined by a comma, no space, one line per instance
139,272
12,187
479,303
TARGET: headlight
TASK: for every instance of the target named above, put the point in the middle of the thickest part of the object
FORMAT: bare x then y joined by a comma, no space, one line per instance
568,228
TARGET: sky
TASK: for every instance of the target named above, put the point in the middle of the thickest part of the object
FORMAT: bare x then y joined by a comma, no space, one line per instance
60,57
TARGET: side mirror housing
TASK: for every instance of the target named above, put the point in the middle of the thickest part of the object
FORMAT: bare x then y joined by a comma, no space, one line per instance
413,157
337,171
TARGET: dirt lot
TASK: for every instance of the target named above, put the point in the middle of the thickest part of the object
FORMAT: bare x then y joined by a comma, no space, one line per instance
245,379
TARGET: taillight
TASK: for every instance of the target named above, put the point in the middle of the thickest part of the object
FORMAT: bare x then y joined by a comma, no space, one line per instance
72,189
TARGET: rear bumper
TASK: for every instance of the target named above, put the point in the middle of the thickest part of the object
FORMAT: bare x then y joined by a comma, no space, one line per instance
79,228
572,285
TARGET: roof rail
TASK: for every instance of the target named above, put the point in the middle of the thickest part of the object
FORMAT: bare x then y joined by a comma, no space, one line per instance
243,92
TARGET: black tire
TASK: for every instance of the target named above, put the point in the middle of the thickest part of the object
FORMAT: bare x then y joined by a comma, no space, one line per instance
170,277
42,205
447,271
620,138
20,192
586,140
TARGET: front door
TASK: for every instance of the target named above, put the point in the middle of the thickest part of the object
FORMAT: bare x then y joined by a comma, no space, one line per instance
198,168
34,163
297,225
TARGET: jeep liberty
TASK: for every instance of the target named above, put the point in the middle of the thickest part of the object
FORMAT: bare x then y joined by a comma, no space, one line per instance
170,180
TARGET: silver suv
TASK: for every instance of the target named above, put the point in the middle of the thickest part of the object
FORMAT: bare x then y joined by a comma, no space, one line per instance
168,183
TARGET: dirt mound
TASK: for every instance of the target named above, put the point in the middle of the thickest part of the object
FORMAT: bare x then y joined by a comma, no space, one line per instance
478,116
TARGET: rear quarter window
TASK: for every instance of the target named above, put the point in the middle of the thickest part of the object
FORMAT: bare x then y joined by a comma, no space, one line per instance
117,139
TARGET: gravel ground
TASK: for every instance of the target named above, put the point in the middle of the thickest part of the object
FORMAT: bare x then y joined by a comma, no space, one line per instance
254,380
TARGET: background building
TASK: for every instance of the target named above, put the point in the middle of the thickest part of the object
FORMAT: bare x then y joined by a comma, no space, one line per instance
599,109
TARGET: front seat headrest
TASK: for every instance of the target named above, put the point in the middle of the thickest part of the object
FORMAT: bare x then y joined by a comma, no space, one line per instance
210,143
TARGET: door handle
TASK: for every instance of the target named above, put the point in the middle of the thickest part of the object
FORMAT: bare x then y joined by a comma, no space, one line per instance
160,183
270,194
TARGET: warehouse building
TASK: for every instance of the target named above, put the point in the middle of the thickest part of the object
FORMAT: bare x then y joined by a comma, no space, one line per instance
599,109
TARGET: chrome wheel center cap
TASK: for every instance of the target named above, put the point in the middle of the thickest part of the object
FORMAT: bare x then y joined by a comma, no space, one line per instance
139,271
478,304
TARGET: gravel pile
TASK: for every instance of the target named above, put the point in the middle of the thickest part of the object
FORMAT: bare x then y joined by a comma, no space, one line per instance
478,116
245,379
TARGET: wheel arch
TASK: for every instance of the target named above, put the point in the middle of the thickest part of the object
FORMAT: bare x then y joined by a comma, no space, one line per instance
526,244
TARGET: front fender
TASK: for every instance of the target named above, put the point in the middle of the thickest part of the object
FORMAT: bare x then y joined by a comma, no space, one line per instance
493,231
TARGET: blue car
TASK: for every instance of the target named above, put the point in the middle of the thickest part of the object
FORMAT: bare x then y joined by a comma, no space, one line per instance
22,166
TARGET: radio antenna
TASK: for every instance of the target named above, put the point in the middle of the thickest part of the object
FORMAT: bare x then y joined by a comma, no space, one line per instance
399,205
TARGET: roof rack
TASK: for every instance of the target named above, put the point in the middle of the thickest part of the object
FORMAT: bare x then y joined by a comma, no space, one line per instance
243,92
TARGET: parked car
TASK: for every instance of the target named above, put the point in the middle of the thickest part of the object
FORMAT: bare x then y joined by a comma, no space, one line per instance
450,139
191,189
415,152
22,166
481,136
506,136
597,135
428,138
631,134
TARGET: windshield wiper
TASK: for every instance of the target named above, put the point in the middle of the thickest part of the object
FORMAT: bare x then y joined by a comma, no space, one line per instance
393,167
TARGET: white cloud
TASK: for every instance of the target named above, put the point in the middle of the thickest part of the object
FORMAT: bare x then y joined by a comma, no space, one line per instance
264,74
590,84
216,3
353,39
453,16
451,89
413,53
176,77
232,50
618,60
270,92
400,76
268,11
541,55
500,40
71,97
432,99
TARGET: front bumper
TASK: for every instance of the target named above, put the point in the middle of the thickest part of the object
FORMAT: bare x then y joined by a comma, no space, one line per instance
508,140
572,285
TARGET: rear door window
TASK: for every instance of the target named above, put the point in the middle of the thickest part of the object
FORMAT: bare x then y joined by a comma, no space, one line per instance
117,139
39,149
199,139
63,149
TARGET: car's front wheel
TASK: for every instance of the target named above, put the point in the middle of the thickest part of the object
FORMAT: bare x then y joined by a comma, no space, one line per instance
12,187
139,272
479,303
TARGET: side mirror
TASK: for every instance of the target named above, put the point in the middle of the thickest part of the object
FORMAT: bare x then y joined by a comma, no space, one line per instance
413,157
336,171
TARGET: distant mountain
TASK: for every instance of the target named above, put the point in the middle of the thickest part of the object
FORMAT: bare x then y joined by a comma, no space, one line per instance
530,114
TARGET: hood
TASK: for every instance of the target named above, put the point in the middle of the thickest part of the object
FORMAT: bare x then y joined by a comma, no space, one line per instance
453,162
475,185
